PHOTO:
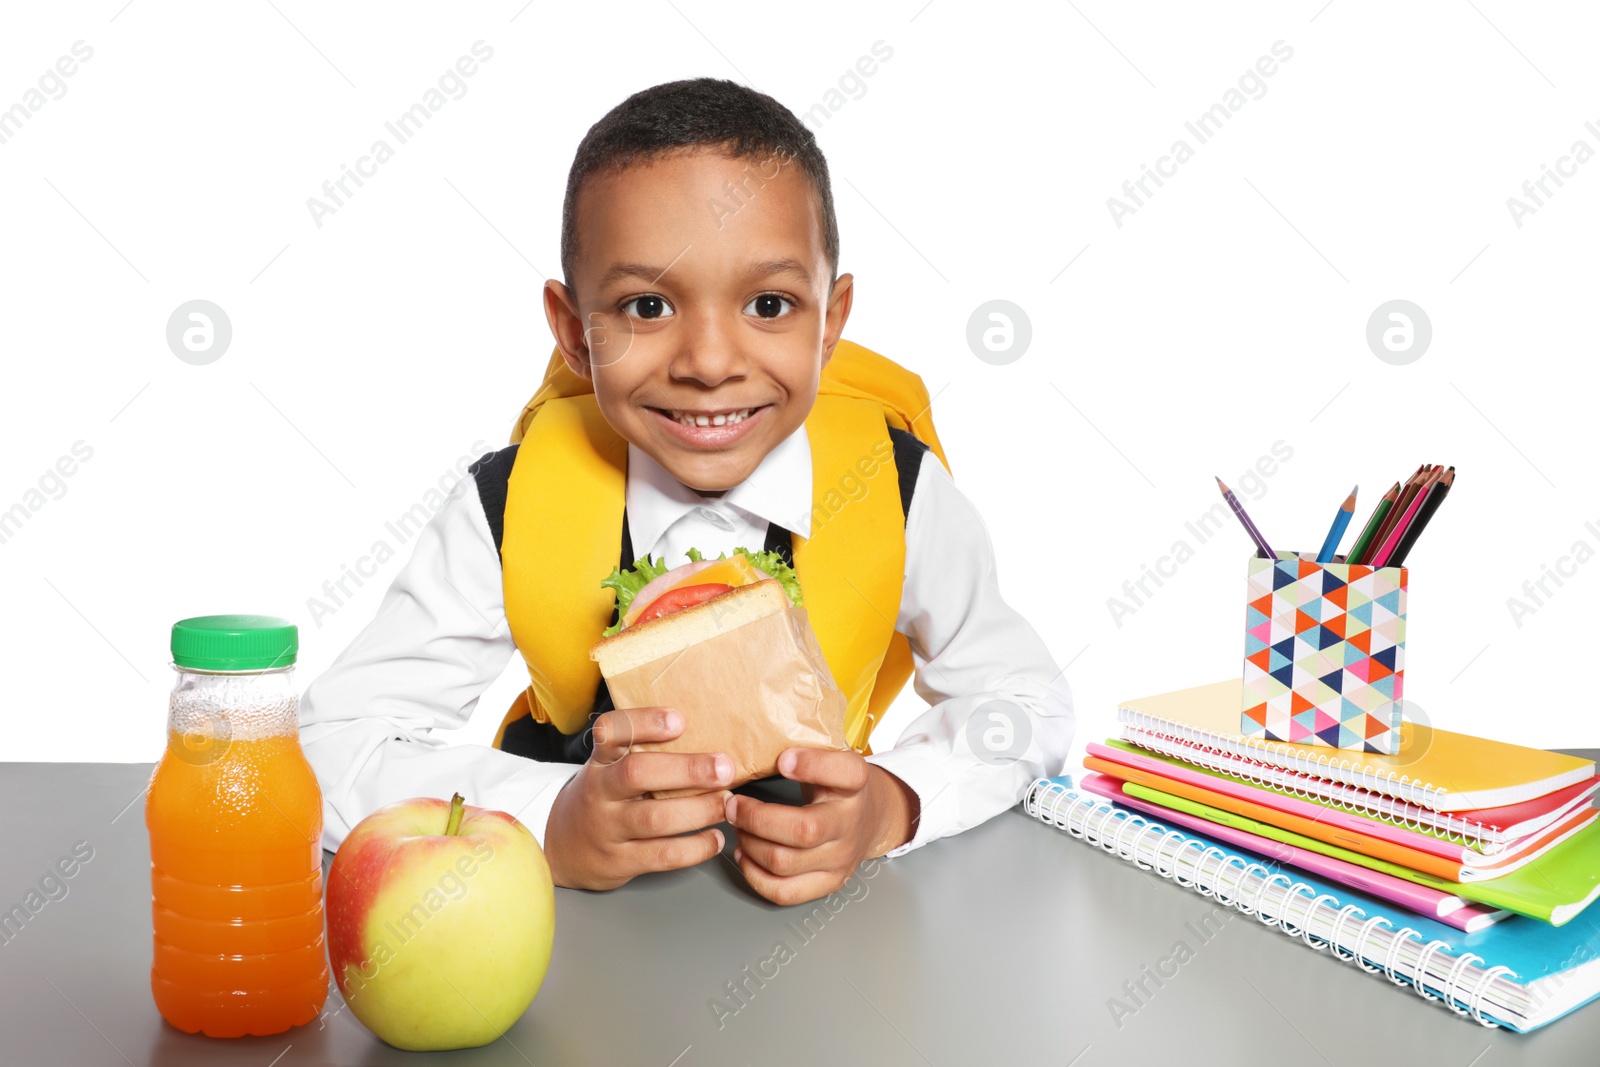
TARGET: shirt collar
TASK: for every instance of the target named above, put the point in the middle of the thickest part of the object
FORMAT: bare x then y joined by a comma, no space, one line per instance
778,491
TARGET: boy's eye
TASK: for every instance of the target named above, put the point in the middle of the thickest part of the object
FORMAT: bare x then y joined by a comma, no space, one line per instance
649,307
767,305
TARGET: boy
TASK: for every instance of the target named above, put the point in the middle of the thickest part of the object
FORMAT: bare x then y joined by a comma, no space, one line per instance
701,302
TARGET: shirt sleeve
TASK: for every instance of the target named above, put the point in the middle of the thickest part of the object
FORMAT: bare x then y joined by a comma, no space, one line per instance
371,724
1001,712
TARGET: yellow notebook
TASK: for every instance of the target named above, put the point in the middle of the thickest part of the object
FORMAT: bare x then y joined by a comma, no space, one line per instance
1437,769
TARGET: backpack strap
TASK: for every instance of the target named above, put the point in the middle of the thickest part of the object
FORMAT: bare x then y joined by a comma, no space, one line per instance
908,453
492,472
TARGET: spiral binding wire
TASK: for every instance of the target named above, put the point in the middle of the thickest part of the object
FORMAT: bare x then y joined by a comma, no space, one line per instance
1423,794
1352,798
1087,817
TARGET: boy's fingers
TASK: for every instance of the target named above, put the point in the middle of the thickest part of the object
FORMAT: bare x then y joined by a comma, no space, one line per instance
840,769
783,860
806,826
780,890
675,853
646,819
615,732
638,773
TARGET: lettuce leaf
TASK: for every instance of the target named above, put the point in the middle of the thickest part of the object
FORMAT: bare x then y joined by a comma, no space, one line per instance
774,566
627,583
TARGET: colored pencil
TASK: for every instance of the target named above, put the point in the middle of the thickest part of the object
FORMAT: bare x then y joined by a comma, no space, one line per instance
1341,521
1420,523
1370,530
1392,540
1402,518
1244,519
1407,491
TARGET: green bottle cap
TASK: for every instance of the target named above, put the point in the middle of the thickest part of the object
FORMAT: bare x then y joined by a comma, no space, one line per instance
234,642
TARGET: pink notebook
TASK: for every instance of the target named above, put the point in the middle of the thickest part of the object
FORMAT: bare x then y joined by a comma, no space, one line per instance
1506,859
1445,907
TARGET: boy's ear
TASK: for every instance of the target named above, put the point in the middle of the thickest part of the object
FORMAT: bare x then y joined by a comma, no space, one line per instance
566,324
837,315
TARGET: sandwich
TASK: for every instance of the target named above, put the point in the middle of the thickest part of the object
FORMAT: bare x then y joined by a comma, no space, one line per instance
726,642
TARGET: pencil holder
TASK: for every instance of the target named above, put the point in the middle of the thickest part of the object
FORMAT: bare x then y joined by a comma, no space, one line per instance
1324,653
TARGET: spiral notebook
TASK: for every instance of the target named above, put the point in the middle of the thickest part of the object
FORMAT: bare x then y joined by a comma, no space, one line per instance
1437,769
1486,830
1520,974
1325,811
1376,840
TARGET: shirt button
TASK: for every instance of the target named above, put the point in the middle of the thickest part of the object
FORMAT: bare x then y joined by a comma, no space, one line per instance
715,518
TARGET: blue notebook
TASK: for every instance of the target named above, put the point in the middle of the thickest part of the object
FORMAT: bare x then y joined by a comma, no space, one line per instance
1520,973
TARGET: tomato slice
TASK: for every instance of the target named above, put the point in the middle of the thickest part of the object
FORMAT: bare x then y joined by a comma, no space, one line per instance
685,596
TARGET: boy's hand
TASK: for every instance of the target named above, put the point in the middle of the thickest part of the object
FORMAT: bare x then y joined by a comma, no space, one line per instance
853,811
603,830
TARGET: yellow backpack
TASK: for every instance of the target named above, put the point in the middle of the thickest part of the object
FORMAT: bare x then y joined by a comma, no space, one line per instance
563,522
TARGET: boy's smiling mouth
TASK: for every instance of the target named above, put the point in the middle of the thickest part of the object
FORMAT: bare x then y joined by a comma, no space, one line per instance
710,427
708,416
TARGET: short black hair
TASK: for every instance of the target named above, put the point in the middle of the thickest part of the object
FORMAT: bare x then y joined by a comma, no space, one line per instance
695,112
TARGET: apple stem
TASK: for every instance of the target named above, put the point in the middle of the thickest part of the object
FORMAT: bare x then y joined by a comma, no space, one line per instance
457,809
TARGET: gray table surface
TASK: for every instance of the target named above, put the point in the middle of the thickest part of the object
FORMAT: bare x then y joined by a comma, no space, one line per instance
1001,945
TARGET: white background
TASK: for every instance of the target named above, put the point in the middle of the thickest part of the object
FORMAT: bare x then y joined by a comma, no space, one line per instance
1227,314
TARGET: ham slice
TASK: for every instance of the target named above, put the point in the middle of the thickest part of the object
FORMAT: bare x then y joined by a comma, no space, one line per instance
657,586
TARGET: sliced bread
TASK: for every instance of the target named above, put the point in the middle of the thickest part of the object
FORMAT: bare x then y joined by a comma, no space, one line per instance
646,642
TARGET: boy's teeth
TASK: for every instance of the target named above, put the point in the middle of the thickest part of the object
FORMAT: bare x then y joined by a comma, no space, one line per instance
719,419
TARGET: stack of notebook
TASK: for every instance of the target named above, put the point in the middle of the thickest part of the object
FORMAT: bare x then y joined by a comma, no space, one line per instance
1456,852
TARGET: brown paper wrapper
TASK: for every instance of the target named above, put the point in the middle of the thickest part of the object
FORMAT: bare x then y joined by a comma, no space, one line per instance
750,693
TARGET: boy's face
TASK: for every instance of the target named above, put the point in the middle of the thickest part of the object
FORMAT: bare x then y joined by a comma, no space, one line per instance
703,313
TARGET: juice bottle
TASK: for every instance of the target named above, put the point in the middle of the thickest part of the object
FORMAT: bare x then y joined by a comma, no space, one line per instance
235,821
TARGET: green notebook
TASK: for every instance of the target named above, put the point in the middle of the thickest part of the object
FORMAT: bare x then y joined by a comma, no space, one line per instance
1554,887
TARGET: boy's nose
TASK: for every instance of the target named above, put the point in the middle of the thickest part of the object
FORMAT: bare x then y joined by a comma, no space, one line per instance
708,356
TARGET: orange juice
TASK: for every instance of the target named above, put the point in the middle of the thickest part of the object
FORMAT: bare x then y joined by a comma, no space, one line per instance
235,821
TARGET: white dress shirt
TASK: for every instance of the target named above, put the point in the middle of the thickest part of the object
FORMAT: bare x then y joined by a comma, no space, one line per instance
374,724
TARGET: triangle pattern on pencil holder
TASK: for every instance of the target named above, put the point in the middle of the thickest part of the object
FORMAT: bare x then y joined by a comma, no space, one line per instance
1324,654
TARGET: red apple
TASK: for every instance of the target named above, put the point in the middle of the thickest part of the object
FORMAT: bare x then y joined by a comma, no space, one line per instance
441,918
